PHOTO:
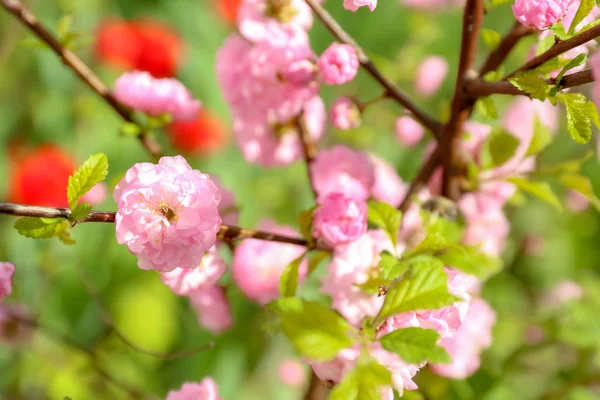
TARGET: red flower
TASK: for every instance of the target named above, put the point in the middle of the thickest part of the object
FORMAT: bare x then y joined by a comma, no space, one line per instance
143,45
40,177
228,9
204,134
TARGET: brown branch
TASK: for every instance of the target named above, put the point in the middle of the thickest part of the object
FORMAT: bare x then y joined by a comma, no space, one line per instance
461,104
317,389
393,91
497,57
27,18
558,49
309,148
422,177
226,233
479,87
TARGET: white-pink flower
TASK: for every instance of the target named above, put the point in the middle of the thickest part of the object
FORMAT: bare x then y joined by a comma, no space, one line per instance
167,214
205,390
430,75
388,186
258,264
7,271
408,131
540,14
142,92
344,113
212,308
466,345
183,281
563,292
340,220
354,5
338,64
343,170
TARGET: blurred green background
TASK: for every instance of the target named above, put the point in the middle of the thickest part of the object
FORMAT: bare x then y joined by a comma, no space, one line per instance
42,102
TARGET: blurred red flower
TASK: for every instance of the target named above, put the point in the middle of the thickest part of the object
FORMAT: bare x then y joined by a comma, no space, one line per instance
228,9
143,45
204,134
40,177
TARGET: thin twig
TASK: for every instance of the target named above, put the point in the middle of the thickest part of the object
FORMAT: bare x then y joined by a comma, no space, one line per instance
27,18
226,233
309,148
508,42
422,177
480,87
393,91
317,390
461,104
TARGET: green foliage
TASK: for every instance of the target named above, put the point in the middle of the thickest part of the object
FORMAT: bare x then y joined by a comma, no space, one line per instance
364,382
581,184
581,113
44,228
470,260
130,129
288,283
90,173
542,137
81,211
491,38
541,190
390,267
545,44
316,331
316,259
585,7
305,221
501,146
387,218
531,83
415,345
576,62
486,107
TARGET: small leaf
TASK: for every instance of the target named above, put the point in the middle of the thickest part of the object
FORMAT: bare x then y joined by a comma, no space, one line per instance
486,107
576,62
430,244
64,26
542,137
390,267
502,147
91,172
288,283
470,260
80,212
415,345
582,185
531,83
580,115
130,129
491,38
316,259
585,7
559,31
305,220
545,44
316,331
33,43
387,218
44,228
540,190
365,382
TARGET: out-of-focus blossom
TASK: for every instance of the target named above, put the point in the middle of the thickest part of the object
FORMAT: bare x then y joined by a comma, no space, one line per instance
183,281
343,170
340,220
354,5
292,373
577,202
205,390
408,131
388,186
258,264
430,75
204,134
563,292
540,14
212,307
338,64
140,91
97,194
345,113
167,214
7,271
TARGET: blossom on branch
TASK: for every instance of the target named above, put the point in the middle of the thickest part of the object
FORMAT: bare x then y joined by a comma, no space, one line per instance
540,14
205,390
338,64
212,308
7,271
430,75
271,20
345,113
354,5
340,220
408,131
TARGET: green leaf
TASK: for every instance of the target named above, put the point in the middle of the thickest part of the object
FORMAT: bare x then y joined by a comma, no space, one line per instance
387,218
288,283
571,166
486,107
581,184
64,26
33,43
559,31
315,331
305,220
374,285
540,190
581,113
471,261
577,61
502,147
92,172
542,137
491,38
415,345
585,7
531,83
364,382
431,244
80,212
43,228
545,44
316,259
589,26
425,286
130,129
390,267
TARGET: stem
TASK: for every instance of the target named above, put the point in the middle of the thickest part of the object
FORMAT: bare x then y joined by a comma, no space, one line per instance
422,177
497,57
461,104
27,18
558,49
309,148
226,233
479,87
317,389
393,91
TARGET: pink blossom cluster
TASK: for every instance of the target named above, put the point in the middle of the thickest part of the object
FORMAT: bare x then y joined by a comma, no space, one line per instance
142,92
205,390
7,271
540,14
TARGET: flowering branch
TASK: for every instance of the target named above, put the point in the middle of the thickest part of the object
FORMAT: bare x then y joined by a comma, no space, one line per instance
226,233
27,18
497,57
392,90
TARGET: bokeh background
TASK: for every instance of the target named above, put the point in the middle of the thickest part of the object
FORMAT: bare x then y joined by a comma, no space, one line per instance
41,103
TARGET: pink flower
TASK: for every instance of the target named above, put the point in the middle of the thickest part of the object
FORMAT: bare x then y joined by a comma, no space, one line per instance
205,390
167,214
465,347
577,202
258,264
563,292
340,220
388,187
344,171
431,75
338,64
212,307
16,327
96,195
345,114
140,91
7,271
292,373
408,131
183,281
354,5
540,14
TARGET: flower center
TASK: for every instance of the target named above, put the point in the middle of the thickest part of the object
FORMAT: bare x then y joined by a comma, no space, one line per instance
281,10
282,129
167,212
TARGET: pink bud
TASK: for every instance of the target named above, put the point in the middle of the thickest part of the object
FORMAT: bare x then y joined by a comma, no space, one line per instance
340,219
212,307
577,202
431,75
540,14
408,131
6,273
345,113
292,373
338,64
205,390
354,5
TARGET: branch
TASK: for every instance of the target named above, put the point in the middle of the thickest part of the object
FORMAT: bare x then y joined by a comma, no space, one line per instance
393,91
558,49
69,58
461,104
317,389
226,233
479,87
497,57
422,177
309,148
